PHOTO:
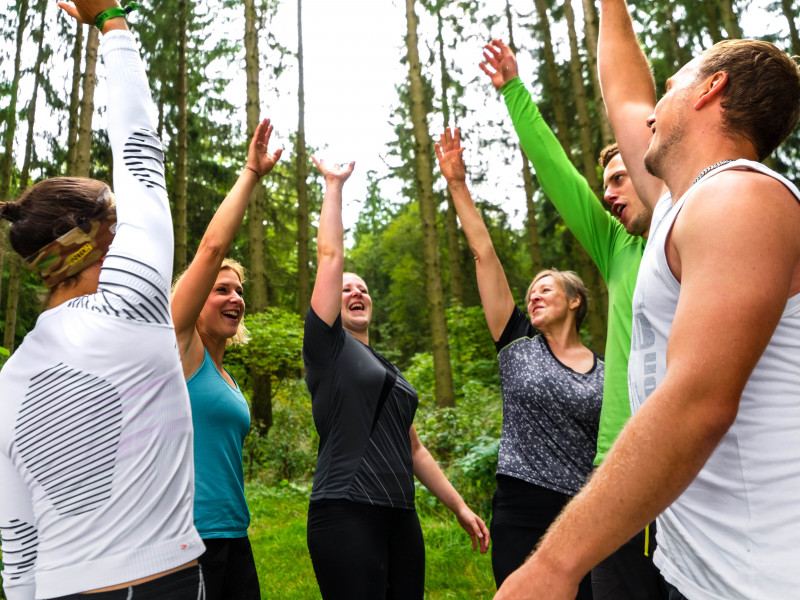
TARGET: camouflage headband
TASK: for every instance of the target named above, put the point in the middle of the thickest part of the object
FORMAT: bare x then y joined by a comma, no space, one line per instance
75,250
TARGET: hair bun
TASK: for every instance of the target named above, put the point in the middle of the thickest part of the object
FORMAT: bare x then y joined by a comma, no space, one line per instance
10,211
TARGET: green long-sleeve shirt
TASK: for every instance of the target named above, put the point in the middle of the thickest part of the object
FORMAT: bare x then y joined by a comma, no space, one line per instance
616,253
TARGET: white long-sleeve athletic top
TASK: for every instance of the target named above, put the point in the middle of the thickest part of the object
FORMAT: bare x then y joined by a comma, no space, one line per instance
96,471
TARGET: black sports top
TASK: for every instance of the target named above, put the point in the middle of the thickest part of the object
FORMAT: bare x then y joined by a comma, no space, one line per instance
363,408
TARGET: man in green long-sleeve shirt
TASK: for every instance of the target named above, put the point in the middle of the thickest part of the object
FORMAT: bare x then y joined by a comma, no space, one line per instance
616,244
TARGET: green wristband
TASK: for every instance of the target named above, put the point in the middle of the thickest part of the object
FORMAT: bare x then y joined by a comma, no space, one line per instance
112,13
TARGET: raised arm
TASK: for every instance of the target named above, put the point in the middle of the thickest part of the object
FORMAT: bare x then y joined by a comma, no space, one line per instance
431,476
565,187
190,295
326,299
629,93
137,270
496,297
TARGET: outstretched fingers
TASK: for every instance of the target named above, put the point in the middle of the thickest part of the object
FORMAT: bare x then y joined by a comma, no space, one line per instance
258,156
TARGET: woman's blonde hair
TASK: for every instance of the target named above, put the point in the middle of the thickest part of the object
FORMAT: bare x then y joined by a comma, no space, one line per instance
573,287
242,335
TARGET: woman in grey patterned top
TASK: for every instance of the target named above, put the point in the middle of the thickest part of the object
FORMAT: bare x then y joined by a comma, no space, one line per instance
552,386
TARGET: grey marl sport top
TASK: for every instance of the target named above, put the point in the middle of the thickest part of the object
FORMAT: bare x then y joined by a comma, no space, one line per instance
550,412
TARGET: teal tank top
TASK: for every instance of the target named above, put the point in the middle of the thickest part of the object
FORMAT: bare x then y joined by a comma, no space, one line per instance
221,420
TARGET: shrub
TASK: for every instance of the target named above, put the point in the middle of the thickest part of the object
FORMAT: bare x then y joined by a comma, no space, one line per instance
289,452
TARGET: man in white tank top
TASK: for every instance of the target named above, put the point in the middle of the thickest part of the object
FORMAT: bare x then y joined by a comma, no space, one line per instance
714,372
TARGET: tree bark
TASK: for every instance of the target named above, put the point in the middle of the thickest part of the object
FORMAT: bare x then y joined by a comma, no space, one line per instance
443,378
255,222
301,161
590,39
788,12
84,152
11,127
553,85
713,21
596,310
531,226
588,151
676,49
14,275
261,399
11,116
181,174
730,20
451,221
75,100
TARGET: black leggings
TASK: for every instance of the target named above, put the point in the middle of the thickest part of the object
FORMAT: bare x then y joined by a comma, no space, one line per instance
365,552
229,570
186,584
521,513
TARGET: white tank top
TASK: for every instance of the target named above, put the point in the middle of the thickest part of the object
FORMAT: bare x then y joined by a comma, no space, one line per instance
735,531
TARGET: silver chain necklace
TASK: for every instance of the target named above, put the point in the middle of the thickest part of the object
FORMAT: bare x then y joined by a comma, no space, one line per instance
711,168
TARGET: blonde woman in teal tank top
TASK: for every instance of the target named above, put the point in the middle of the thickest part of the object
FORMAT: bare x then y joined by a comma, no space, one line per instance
207,309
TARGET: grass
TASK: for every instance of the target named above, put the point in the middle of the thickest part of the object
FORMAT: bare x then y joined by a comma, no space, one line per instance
278,535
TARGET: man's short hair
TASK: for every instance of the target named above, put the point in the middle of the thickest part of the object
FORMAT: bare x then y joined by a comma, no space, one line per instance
761,99
607,153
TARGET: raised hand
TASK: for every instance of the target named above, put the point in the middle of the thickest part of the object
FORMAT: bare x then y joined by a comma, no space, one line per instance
86,11
258,158
449,153
502,61
336,173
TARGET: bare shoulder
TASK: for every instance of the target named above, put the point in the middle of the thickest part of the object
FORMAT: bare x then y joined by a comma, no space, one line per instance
744,223
744,199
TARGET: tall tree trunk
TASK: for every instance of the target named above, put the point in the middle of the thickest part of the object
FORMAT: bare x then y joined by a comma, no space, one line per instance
713,21
675,50
303,251
788,12
181,175
581,103
531,226
594,283
553,85
255,222
75,100
11,116
443,378
590,42
261,399
84,153
454,251
11,127
12,302
729,19
598,295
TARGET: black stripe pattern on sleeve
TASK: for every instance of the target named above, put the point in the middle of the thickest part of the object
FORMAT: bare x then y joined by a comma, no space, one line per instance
20,541
67,433
144,158
129,289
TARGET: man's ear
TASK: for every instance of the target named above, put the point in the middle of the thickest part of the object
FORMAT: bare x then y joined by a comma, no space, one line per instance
711,89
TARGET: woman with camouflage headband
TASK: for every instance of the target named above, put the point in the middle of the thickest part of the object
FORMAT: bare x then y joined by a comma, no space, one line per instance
208,308
96,465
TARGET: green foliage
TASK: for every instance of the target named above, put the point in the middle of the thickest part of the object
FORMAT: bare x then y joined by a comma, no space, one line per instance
289,452
275,347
